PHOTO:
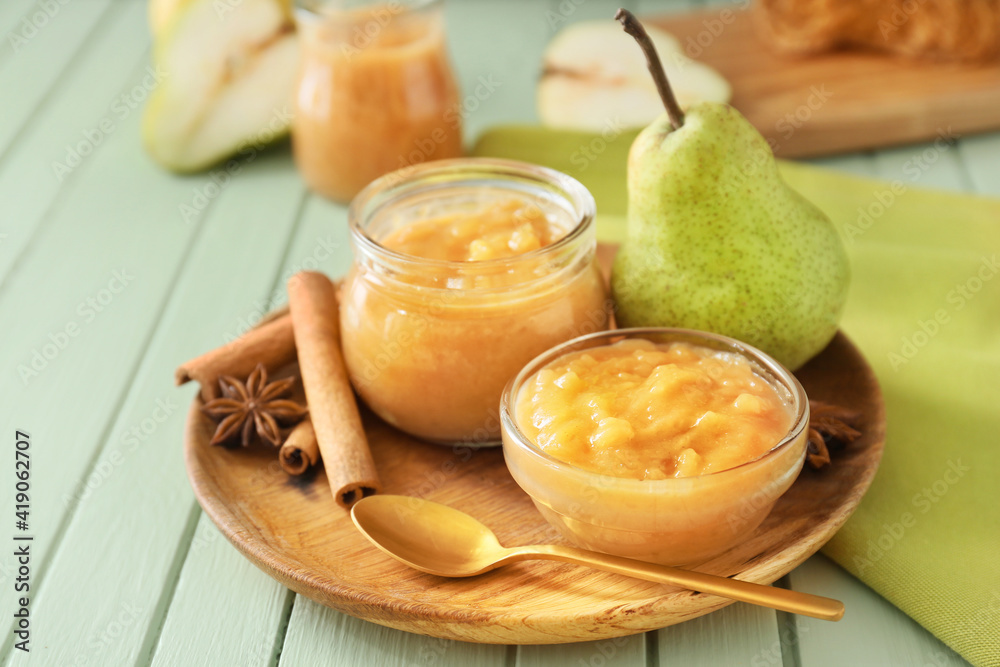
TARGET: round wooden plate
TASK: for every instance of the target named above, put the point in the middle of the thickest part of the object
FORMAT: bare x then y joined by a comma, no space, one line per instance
292,529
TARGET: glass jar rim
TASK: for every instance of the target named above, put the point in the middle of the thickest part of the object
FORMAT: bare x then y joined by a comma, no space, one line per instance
584,207
509,425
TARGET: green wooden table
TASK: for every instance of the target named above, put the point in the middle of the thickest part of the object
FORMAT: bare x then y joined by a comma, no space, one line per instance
113,272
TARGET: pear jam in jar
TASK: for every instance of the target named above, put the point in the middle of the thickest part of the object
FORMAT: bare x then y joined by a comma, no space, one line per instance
464,270
375,92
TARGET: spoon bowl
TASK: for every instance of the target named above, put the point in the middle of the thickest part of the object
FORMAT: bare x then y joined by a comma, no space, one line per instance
428,536
447,542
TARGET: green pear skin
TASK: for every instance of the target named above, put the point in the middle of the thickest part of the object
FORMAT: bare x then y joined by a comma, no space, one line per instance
717,241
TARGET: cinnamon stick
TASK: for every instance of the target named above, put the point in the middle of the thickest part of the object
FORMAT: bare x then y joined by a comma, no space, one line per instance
271,344
347,459
300,450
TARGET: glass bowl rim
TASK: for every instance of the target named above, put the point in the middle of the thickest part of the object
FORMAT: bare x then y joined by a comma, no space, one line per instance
509,427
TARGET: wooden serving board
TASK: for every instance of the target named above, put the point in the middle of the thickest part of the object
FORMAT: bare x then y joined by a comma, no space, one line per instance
839,101
292,529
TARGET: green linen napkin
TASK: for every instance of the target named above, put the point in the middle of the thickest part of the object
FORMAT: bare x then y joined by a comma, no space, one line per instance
924,307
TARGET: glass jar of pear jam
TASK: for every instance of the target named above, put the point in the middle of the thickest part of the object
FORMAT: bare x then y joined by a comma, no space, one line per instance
464,270
375,93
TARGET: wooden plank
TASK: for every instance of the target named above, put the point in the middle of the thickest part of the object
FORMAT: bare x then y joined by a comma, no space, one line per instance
319,636
40,169
618,652
321,243
235,256
843,101
35,66
739,634
653,8
924,165
566,12
981,159
224,612
872,632
497,75
84,300
11,14
859,164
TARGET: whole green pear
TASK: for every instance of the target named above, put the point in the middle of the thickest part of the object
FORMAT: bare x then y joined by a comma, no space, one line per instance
717,241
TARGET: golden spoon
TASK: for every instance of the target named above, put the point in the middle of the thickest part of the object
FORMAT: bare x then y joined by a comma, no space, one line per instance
440,540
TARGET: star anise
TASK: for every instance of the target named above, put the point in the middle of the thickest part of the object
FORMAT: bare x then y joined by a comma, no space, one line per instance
253,405
829,425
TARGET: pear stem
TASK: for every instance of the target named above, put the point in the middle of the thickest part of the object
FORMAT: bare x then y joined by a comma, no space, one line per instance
633,27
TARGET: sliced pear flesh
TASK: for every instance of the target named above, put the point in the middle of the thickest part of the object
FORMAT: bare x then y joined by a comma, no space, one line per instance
594,78
160,12
228,82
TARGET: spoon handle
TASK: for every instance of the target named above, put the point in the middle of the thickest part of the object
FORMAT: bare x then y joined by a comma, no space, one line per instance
805,604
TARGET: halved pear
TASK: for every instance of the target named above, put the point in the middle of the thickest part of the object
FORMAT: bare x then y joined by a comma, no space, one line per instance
228,79
594,78
160,12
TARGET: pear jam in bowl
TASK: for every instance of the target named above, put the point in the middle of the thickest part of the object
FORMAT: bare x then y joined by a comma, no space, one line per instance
664,445
464,270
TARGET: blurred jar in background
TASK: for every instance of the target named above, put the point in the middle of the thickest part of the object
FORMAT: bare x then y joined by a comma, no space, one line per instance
375,92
